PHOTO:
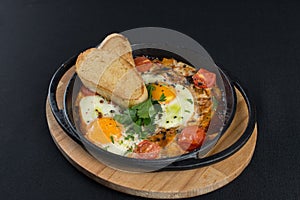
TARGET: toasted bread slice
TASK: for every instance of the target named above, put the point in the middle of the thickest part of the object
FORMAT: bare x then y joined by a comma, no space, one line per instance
119,45
110,73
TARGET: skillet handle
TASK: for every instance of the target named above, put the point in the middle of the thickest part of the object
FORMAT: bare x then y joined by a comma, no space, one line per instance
59,114
192,163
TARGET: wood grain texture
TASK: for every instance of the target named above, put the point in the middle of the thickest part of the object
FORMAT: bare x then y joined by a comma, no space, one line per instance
173,184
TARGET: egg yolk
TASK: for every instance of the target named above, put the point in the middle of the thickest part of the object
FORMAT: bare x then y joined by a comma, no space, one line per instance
104,130
162,91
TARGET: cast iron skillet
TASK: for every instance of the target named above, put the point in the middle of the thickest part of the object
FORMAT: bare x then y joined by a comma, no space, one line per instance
187,161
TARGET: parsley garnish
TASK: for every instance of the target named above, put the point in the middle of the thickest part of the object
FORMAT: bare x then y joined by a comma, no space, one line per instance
190,100
142,110
187,111
129,137
162,97
112,139
142,115
128,151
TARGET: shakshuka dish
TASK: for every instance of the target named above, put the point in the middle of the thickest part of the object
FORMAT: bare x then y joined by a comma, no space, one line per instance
173,120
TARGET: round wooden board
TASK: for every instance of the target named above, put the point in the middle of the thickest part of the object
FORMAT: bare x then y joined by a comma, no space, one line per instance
163,185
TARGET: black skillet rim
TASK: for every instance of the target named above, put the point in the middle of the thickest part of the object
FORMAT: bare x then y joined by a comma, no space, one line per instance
187,161
193,154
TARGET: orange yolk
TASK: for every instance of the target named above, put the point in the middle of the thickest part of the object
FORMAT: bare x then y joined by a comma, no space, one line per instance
103,129
163,90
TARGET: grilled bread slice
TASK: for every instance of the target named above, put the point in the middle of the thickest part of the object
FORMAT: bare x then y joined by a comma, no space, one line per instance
119,45
109,70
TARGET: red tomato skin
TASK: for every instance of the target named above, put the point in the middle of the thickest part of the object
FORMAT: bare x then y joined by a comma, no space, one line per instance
199,81
142,64
191,138
204,79
147,150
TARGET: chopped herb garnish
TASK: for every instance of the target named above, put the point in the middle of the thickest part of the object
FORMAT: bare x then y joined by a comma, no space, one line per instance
123,119
162,97
132,137
147,121
128,151
190,100
142,109
150,88
129,137
112,139
187,111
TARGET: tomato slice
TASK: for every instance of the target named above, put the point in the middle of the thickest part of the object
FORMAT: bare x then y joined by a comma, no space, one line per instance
204,79
147,150
142,63
86,92
191,138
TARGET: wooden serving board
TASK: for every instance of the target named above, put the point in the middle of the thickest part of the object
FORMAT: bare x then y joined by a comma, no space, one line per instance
169,184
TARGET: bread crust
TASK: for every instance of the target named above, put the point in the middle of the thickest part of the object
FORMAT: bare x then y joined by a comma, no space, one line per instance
125,51
109,72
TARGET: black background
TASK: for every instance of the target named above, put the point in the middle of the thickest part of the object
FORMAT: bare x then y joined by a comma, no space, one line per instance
258,43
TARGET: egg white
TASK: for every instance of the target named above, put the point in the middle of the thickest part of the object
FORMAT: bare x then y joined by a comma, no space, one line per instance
90,106
151,78
122,145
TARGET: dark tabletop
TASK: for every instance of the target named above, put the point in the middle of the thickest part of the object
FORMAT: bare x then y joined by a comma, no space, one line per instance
258,43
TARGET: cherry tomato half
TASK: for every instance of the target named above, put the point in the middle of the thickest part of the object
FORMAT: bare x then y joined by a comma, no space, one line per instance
142,63
204,79
191,138
147,150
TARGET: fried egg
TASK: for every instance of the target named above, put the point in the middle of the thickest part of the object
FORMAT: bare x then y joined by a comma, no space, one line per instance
104,130
97,113
178,106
